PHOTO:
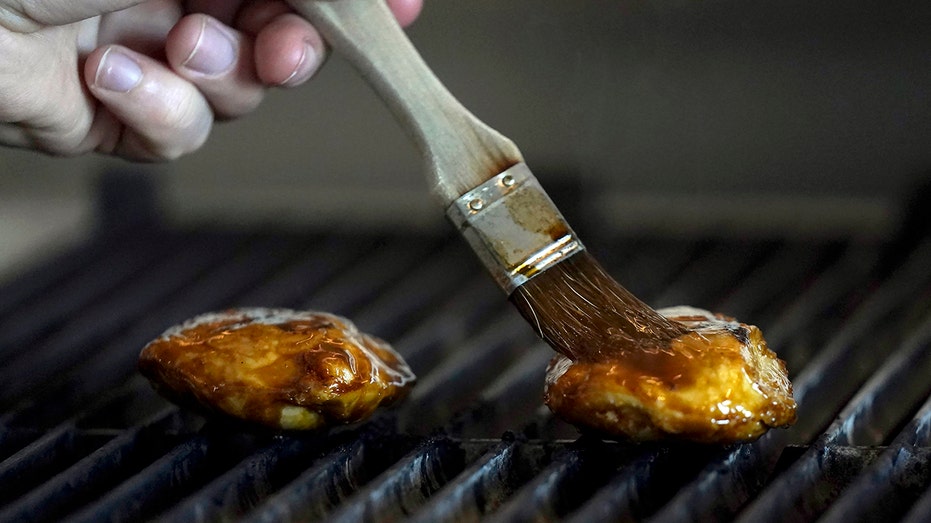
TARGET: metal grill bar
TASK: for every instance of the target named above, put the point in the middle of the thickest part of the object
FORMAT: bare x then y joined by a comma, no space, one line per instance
513,397
562,485
239,490
838,283
711,275
894,481
433,278
648,267
404,487
311,271
334,478
760,293
481,488
92,475
452,322
920,510
41,279
145,493
24,470
450,387
32,321
367,279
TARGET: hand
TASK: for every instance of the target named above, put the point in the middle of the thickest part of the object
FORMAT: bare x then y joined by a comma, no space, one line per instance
145,80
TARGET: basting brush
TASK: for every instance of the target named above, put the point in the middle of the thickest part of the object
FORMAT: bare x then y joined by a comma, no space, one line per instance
491,196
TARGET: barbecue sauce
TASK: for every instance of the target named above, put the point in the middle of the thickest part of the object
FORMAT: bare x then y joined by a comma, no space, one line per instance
718,382
276,367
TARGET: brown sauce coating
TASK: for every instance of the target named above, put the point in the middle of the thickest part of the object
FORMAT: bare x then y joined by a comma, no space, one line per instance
716,383
277,367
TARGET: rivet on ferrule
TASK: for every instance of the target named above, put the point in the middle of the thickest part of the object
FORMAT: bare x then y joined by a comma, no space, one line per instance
514,227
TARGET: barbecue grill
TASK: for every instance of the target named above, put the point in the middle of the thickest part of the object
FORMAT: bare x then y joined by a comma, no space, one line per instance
84,438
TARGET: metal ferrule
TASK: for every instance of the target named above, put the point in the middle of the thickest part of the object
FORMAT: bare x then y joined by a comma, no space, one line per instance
514,227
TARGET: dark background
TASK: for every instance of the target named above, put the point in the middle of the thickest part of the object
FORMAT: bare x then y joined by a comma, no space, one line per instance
667,117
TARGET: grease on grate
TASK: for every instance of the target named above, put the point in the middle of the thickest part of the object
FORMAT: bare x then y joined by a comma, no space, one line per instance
717,383
285,369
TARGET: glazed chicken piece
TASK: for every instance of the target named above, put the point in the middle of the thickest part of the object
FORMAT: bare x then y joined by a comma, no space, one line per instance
277,367
717,383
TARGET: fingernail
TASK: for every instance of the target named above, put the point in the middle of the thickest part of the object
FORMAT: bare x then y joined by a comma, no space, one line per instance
117,72
214,52
306,67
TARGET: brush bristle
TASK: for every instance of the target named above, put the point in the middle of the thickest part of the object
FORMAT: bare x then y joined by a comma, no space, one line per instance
583,313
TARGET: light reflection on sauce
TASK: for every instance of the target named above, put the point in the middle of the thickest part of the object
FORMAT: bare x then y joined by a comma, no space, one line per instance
281,368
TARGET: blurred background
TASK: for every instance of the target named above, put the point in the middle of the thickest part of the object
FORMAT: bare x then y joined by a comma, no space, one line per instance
662,117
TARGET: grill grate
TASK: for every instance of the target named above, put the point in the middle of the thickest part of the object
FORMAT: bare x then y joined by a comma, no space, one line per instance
83,437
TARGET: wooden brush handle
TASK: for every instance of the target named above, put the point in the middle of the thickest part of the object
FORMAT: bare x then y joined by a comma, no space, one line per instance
460,152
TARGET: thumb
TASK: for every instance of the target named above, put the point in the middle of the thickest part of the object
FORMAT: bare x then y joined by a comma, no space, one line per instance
27,16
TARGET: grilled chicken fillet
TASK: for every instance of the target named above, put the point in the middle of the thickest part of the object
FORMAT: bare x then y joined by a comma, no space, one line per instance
717,383
277,367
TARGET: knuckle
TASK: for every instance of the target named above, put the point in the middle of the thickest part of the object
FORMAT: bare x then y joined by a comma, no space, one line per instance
177,127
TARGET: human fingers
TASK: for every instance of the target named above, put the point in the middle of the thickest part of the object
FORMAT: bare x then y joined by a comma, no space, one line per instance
227,11
43,102
142,28
27,16
151,113
288,49
406,11
218,60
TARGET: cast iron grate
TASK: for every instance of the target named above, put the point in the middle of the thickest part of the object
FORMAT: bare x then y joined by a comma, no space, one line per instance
83,438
